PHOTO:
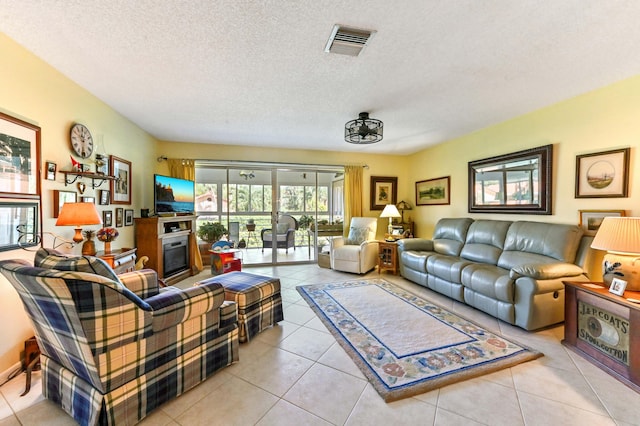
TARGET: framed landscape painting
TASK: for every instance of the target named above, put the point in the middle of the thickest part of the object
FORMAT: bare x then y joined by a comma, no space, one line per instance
603,174
384,191
590,220
432,192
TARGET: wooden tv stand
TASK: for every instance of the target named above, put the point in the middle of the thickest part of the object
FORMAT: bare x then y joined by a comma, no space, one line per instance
154,234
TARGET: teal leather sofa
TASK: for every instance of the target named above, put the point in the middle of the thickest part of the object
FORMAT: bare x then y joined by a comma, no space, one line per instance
510,270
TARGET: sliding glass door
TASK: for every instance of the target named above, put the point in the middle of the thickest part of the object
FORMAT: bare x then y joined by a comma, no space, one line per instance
270,212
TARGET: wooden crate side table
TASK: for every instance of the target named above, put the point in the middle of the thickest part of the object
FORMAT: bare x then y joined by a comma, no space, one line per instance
604,328
388,257
121,261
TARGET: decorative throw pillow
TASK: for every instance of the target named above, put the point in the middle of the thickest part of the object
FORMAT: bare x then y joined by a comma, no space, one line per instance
282,228
357,236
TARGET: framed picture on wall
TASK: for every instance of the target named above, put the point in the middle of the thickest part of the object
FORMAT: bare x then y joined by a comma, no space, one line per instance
20,148
119,217
61,197
104,197
128,217
590,220
23,217
433,192
121,185
384,191
107,218
51,170
603,174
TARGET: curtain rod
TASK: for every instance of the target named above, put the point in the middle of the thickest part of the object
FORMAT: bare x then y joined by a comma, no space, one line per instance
255,164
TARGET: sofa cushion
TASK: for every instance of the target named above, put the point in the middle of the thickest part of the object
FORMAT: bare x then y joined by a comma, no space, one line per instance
450,235
446,267
349,253
485,241
282,228
556,241
489,280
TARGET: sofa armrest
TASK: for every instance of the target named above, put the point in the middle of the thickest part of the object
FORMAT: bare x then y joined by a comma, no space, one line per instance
170,308
369,243
419,244
367,247
336,242
144,283
546,271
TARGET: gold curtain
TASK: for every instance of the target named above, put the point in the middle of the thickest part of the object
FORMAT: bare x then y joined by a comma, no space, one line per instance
352,194
186,169
183,169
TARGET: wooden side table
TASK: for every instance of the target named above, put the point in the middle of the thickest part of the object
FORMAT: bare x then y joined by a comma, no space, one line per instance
121,261
388,257
604,328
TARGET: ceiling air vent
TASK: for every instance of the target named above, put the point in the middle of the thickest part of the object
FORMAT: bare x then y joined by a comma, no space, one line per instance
347,41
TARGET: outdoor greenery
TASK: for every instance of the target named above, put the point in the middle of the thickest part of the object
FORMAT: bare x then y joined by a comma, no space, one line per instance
211,231
257,198
305,221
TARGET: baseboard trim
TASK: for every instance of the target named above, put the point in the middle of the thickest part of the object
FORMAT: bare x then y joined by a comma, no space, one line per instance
4,376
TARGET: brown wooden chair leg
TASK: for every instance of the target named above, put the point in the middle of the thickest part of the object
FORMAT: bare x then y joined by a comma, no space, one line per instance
28,370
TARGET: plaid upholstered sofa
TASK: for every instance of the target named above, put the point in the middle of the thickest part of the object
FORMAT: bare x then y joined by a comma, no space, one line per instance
116,347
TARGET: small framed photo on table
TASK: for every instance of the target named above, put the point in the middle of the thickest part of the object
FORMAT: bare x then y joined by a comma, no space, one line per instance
617,286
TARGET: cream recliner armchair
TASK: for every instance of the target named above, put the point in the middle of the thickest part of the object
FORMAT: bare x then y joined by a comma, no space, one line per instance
358,253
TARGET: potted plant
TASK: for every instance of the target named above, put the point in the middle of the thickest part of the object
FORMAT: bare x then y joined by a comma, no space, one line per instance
251,226
211,231
305,221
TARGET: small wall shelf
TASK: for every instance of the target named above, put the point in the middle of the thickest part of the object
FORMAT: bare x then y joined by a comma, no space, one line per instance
93,176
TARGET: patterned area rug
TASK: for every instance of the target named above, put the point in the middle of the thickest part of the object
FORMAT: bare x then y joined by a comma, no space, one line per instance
406,345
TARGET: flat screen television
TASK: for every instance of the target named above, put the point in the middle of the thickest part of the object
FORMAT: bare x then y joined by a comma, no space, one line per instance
174,195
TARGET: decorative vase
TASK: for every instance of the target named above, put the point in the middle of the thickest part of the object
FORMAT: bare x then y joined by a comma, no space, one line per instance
89,248
107,246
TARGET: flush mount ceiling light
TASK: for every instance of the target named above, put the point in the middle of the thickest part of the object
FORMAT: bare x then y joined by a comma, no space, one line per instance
363,130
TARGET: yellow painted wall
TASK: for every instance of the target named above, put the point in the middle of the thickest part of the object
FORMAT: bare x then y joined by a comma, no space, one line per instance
601,120
35,92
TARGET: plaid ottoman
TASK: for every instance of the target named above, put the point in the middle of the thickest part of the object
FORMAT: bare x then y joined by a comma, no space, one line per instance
258,300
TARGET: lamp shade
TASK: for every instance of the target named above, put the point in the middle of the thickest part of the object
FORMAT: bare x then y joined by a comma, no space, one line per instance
618,234
77,214
390,211
403,205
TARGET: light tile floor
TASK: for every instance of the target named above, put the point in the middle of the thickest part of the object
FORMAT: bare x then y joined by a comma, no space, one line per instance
296,374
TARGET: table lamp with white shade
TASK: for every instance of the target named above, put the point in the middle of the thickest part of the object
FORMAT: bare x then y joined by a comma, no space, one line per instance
620,237
390,211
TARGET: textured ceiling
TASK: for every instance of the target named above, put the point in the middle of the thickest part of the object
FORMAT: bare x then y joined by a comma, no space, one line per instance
255,72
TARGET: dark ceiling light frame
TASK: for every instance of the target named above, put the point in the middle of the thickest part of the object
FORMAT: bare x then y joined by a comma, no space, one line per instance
363,130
